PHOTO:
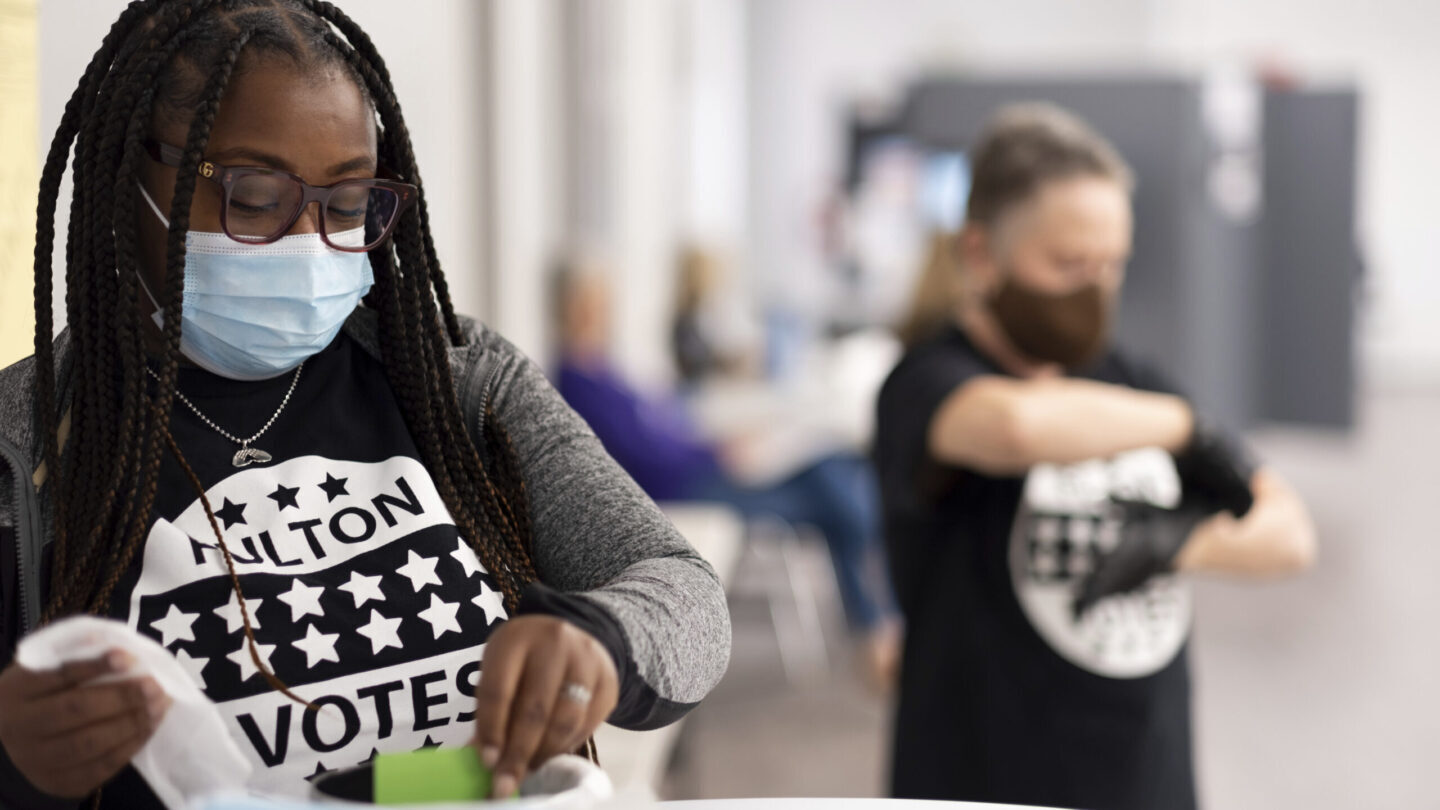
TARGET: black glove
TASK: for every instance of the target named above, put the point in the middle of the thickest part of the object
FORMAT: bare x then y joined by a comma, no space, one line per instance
1150,539
1215,472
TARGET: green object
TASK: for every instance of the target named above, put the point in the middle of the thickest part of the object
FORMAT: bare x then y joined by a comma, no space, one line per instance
431,775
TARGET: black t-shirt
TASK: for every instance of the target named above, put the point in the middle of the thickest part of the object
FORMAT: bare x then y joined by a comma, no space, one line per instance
1004,696
363,597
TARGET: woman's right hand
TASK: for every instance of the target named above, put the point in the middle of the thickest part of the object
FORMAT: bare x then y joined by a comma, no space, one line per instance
67,738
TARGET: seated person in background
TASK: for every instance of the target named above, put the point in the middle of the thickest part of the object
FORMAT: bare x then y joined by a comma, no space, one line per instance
654,439
1043,491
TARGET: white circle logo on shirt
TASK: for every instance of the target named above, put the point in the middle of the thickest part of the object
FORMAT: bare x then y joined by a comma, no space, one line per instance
361,595
1065,526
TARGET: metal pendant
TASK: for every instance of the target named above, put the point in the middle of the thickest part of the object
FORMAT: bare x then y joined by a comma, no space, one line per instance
246,456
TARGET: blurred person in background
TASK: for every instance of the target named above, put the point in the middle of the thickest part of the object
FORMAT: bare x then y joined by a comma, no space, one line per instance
1043,493
655,439
703,335
932,301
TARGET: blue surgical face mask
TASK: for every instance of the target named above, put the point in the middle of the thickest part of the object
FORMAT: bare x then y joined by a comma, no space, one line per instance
252,312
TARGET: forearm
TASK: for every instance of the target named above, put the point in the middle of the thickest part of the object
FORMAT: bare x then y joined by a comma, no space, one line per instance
1277,537
636,625
1065,421
1004,426
596,537
676,629
663,615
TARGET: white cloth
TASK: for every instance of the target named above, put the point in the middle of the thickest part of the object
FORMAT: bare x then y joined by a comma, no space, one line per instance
566,782
191,754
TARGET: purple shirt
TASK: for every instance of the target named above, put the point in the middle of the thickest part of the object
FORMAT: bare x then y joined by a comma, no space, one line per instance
651,438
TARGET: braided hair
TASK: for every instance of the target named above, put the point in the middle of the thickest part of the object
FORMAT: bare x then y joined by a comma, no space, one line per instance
168,59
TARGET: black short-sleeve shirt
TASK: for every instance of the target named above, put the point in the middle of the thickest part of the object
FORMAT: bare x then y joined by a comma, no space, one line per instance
1005,697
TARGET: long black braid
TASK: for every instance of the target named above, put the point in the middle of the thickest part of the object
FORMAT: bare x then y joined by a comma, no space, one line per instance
174,58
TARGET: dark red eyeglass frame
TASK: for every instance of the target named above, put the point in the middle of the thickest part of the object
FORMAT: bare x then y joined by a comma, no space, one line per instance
226,176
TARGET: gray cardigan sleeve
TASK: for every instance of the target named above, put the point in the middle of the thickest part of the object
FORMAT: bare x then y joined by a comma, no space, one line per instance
607,557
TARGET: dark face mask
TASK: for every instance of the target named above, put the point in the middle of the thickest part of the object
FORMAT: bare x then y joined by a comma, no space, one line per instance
1071,329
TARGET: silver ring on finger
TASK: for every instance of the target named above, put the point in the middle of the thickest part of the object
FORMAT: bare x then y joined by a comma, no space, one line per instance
577,693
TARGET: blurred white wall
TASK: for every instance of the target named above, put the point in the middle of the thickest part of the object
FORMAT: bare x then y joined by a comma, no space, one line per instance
714,97
521,188
1388,48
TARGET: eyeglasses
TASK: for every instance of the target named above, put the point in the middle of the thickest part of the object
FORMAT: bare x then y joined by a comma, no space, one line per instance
260,205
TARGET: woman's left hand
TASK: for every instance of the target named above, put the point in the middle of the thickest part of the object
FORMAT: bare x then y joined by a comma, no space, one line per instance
545,686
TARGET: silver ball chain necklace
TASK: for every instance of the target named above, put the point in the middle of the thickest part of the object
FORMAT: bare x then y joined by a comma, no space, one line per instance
246,455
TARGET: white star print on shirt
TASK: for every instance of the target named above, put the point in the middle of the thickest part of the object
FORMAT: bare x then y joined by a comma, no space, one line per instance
465,555
303,600
230,612
363,588
317,646
176,626
420,570
194,667
241,658
441,615
382,632
491,602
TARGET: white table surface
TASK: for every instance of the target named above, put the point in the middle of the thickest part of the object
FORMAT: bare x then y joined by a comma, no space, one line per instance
833,804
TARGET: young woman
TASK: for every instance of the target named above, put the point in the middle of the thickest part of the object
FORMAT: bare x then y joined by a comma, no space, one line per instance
266,441
1041,491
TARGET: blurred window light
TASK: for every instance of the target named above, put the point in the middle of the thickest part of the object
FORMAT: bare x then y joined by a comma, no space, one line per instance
944,189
